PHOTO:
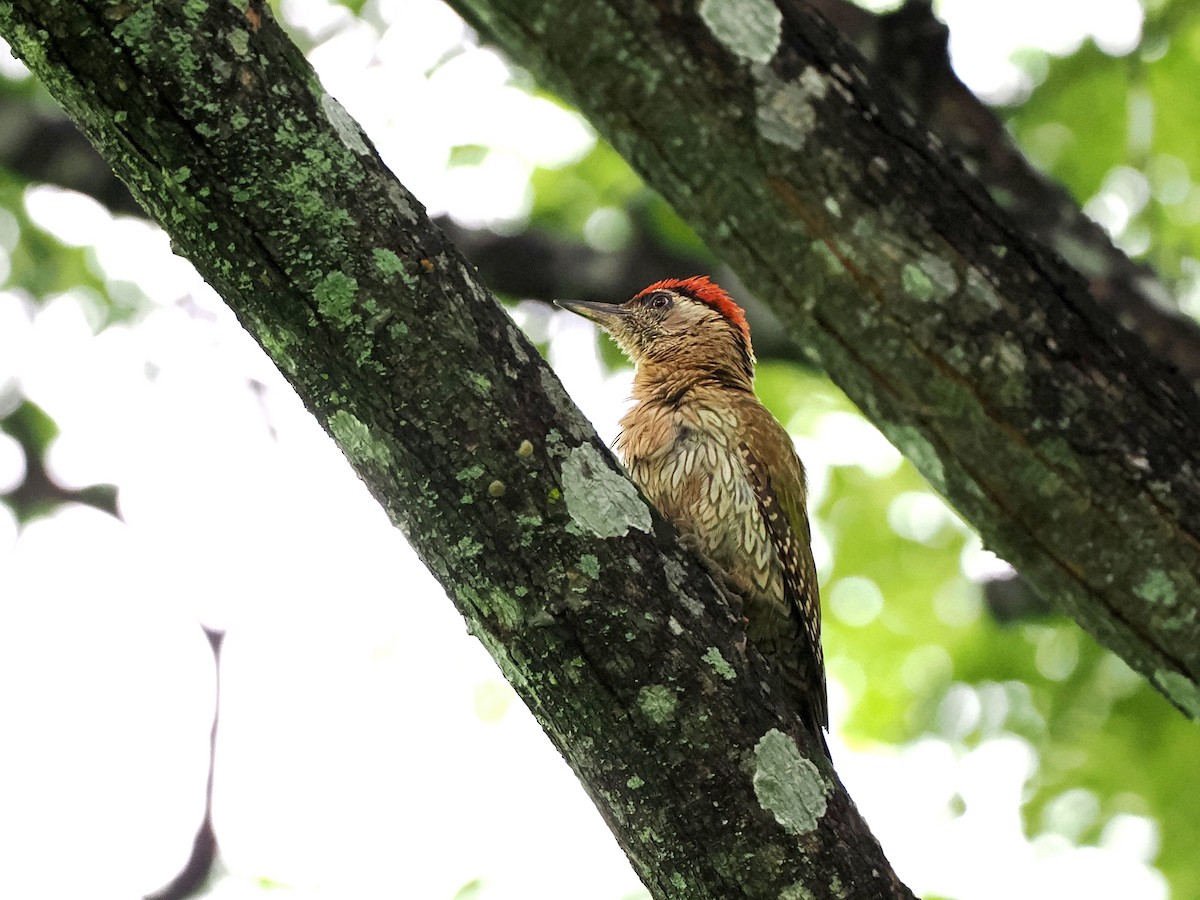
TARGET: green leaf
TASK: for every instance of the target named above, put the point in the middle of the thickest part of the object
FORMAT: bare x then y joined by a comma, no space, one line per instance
31,426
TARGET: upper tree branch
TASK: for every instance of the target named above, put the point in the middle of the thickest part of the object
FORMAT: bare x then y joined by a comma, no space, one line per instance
975,347
905,48
615,638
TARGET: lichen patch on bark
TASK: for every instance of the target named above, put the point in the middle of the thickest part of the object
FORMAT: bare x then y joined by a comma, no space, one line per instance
1180,690
719,664
797,891
600,500
1157,588
345,126
787,785
930,278
785,112
657,703
356,439
750,29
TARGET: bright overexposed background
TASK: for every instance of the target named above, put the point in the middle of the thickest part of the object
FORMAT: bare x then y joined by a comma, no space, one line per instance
368,746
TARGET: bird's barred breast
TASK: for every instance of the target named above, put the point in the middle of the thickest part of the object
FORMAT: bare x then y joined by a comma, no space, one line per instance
687,461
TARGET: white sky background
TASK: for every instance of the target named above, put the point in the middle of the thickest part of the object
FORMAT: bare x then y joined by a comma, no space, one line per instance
340,772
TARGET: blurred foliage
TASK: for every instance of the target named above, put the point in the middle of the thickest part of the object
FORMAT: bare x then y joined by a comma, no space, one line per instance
33,249
570,198
37,266
38,494
1120,133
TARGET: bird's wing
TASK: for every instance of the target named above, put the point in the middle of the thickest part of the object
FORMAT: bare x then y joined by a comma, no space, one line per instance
781,500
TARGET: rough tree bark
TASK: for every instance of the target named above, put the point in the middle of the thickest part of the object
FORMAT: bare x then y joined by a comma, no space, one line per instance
976,349
615,638
907,49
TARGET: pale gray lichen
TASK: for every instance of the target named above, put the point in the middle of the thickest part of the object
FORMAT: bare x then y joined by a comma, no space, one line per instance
1010,363
797,891
785,108
601,501
1010,358
517,341
943,279
657,703
239,40
980,289
916,283
676,576
401,201
1181,690
814,83
719,664
1156,587
787,785
344,125
589,565
750,29
355,439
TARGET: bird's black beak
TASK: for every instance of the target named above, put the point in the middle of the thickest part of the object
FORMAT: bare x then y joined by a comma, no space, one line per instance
607,315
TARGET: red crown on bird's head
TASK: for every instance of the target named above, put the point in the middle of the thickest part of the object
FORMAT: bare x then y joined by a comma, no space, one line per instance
703,289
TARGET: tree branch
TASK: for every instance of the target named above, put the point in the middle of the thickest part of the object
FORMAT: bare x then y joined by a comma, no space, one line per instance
614,637
974,347
907,49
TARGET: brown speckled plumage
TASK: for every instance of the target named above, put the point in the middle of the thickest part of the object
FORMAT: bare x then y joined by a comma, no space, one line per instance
717,463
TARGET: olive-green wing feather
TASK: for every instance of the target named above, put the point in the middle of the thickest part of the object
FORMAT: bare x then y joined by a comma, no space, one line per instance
781,500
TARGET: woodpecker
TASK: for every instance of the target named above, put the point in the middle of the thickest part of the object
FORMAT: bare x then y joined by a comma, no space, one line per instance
709,455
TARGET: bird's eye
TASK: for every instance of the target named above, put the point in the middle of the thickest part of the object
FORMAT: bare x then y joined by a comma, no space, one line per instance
658,300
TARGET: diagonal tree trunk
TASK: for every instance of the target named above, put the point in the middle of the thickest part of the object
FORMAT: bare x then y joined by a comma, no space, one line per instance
615,638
